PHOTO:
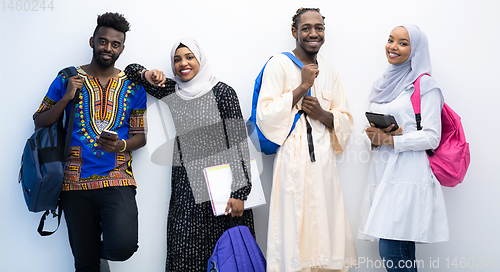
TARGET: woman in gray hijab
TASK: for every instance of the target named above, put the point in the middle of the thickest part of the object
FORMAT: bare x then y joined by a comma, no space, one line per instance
403,202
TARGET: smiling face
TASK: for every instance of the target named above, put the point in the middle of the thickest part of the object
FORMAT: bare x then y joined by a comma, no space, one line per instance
310,32
107,45
186,65
398,47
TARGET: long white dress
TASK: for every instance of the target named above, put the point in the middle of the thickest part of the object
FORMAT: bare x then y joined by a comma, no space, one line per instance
403,199
308,223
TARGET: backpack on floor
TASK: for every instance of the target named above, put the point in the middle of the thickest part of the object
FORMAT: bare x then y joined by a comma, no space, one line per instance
450,161
260,141
43,162
236,250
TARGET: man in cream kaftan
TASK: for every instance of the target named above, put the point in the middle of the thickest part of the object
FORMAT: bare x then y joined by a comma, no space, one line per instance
308,223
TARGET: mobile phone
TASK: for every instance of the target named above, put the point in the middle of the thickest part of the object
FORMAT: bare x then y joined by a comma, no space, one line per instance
109,134
382,120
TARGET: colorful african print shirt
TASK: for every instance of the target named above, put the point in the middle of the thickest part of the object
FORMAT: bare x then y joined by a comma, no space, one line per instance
120,106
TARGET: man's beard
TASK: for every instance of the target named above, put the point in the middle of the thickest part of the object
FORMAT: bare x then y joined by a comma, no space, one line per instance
104,63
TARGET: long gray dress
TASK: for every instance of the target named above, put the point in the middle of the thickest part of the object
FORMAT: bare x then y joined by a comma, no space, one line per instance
210,131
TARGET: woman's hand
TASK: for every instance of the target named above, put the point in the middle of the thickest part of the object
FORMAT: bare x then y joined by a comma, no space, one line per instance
398,131
237,206
155,77
382,136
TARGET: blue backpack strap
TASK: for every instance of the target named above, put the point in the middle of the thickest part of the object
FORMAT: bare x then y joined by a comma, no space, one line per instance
296,61
300,64
297,116
260,141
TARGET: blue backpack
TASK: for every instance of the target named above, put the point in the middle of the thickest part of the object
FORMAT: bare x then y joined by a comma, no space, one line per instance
43,162
236,250
260,141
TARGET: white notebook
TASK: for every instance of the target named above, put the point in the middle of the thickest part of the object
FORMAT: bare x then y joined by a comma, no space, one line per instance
219,179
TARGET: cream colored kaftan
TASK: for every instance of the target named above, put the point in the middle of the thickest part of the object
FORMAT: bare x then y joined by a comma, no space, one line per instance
308,223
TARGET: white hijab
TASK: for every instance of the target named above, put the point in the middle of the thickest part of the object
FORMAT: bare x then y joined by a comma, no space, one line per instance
202,82
398,78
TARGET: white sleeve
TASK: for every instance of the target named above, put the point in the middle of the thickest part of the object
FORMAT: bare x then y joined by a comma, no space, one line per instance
342,118
430,135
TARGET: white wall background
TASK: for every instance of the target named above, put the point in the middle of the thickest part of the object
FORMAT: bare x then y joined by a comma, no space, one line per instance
239,36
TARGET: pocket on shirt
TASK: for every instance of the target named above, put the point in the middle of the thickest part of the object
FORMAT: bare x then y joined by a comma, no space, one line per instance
326,99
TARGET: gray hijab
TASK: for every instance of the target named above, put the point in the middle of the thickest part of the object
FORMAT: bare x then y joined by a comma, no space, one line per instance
398,78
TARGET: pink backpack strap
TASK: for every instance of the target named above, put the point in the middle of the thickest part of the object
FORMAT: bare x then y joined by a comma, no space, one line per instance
415,100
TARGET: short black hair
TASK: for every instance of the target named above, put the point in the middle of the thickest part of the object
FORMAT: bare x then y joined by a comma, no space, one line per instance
301,11
114,20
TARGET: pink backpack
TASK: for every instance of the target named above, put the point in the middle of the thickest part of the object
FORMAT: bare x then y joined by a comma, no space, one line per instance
450,160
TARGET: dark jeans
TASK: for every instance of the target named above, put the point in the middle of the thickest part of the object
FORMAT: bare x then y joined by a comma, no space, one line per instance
110,211
398,255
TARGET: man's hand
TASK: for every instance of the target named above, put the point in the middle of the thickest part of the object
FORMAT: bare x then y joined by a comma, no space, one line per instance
313,109
155,77
110,145
237,206
308,73
74,83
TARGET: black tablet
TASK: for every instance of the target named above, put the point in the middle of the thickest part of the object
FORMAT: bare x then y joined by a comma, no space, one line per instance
382,120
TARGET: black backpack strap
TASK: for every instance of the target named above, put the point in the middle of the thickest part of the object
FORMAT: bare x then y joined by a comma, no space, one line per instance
70,72
309,138
310,142
67,72
76,100
44,216
417,101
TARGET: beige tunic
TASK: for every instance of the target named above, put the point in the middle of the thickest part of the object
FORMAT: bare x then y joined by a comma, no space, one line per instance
308,223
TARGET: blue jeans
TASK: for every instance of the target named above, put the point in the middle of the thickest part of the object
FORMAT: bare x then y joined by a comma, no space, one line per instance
398,255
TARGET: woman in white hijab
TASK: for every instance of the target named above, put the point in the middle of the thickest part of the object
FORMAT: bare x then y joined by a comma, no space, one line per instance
403,202
210,131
